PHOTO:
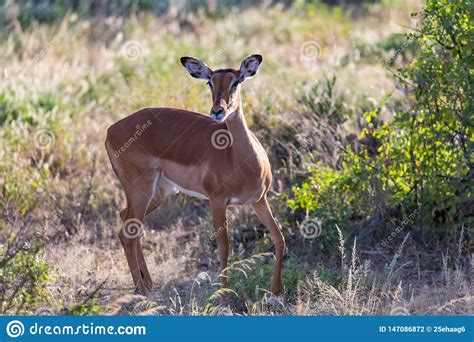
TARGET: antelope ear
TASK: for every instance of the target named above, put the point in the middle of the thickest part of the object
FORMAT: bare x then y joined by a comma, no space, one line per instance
197,68
249,66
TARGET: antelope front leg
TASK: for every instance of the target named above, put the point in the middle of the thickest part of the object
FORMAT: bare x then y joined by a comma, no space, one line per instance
265,216
219,222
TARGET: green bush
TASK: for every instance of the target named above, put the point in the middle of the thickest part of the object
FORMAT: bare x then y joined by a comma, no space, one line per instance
422,156
23,273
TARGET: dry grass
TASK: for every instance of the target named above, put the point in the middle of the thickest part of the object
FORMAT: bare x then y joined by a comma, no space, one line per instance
73,81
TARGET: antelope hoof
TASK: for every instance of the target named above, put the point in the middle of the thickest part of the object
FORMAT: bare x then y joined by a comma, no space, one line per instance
274,301
143,289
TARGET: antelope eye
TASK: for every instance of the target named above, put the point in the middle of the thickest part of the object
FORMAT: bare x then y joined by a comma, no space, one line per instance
209,83
235,84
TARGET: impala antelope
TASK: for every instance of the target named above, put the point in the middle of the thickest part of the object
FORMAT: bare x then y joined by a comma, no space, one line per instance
213,157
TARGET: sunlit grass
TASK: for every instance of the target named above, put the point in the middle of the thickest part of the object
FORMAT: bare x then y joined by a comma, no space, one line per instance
62,85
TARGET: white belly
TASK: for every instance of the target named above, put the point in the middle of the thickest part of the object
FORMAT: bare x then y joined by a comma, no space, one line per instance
234,200
173,188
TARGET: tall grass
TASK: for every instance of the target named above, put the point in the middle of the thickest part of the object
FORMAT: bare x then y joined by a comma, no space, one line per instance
62,85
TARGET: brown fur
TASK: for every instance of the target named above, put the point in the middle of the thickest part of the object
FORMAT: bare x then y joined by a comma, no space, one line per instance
177,146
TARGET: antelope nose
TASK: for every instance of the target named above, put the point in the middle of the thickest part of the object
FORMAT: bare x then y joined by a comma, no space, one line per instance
217,111
217,114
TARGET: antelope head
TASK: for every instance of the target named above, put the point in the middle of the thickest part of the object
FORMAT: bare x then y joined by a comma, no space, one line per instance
224,83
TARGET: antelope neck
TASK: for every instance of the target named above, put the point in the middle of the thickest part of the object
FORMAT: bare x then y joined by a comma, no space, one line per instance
237,126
